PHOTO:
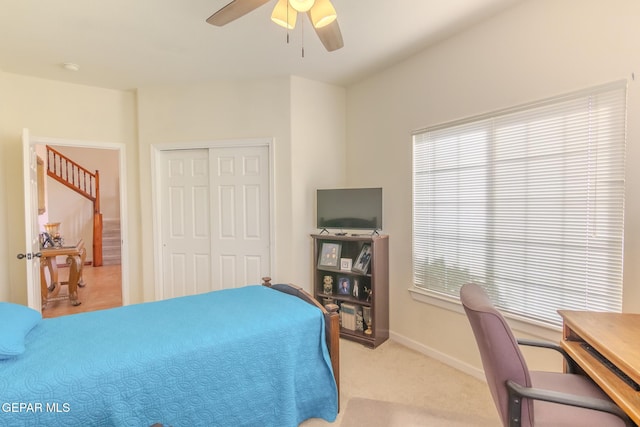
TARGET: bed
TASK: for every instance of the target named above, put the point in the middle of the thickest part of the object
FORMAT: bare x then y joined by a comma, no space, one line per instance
259,355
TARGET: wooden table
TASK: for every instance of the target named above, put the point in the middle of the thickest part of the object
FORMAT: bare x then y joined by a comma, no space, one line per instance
75,259
616,336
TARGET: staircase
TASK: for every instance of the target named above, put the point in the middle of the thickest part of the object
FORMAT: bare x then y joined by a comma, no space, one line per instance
84,182
111,247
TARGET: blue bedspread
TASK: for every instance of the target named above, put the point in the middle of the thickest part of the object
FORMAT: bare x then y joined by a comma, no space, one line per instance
251,356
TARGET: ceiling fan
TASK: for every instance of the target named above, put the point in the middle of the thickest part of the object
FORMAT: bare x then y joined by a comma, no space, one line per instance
321,13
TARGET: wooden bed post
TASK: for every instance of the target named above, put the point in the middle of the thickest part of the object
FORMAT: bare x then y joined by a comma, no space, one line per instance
332,326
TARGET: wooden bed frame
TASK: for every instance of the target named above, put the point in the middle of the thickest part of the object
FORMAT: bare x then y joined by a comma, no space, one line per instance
331,320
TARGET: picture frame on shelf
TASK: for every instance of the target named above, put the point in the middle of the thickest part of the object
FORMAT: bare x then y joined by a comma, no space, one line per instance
344,285
346,264
362,262
330,255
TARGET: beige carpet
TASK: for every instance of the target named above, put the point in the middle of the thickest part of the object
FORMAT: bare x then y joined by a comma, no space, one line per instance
362,412
396,386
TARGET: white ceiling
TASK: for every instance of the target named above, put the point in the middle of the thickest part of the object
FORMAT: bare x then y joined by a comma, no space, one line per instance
126,44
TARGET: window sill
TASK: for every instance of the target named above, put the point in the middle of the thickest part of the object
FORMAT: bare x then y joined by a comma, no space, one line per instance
538,330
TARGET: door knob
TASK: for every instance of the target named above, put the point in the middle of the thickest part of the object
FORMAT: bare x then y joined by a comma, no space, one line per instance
29,255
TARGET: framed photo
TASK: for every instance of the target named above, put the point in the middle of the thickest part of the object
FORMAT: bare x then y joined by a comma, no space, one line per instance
345,264
344,286
363,260
330,255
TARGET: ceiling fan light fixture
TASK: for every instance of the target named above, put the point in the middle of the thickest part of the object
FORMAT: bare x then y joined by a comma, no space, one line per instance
284,15
302,5
322,13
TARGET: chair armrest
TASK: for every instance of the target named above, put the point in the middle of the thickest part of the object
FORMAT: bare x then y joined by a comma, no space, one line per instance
517,391
571,364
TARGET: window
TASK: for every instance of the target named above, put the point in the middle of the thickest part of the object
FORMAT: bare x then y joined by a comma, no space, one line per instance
526,202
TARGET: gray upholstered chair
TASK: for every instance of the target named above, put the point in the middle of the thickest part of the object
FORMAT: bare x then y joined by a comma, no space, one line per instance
532,398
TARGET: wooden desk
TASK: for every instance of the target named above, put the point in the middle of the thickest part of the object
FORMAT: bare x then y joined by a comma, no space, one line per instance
617,337
75,259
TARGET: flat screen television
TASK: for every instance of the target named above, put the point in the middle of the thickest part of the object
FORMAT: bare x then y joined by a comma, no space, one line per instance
349,208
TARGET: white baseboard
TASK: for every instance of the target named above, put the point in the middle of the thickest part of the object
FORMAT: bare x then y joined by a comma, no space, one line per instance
444,358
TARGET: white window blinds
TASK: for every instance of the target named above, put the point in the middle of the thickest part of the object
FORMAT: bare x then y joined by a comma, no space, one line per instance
526,202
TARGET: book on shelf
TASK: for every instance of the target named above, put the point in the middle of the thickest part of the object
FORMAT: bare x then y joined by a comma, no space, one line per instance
348,316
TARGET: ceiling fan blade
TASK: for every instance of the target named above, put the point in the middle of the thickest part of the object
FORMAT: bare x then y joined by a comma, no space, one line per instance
330,36
233,11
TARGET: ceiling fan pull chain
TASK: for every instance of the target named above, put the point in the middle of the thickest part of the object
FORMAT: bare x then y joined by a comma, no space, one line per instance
302,30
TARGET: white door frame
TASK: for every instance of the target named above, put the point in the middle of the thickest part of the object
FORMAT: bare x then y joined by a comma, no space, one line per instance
156,167
32,243
124,227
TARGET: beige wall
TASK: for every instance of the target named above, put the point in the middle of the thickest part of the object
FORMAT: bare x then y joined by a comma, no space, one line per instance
289,110
535,50
318,132
63,111
210,112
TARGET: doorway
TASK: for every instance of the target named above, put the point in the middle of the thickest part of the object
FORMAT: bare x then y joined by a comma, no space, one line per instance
213,216
106,286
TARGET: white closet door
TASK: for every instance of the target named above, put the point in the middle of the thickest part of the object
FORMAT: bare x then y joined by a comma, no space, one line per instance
215,219
186,230
240,212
